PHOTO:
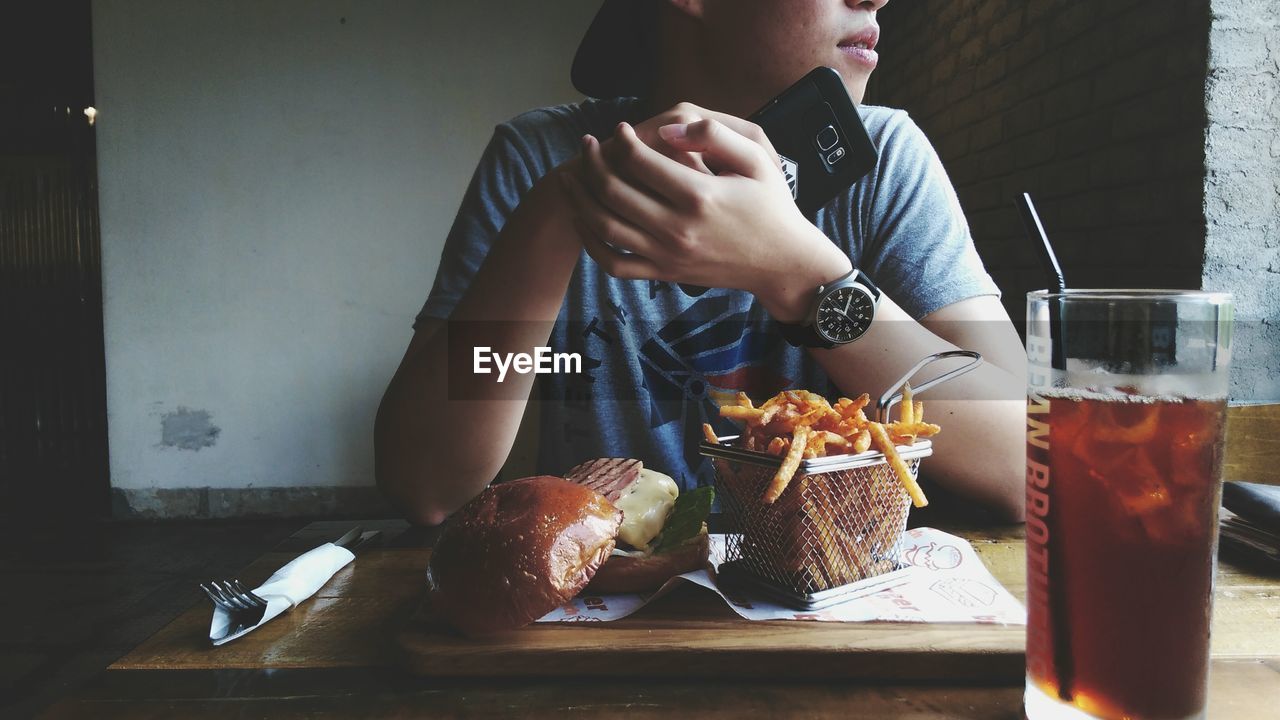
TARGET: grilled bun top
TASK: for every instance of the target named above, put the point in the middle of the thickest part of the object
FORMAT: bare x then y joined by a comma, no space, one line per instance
519,550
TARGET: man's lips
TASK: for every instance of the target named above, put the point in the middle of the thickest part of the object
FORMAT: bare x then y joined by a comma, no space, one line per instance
864,39
860,47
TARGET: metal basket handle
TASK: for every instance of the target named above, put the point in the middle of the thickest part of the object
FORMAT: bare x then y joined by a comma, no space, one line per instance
894,394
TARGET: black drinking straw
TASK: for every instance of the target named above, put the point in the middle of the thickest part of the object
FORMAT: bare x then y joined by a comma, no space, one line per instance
1052,271
1058,619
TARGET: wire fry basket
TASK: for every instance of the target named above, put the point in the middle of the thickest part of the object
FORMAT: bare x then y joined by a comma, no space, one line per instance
840,521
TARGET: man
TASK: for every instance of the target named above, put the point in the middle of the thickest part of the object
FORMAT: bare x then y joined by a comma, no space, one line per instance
587,227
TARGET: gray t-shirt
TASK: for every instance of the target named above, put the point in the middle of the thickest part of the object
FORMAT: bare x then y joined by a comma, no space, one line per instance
658,361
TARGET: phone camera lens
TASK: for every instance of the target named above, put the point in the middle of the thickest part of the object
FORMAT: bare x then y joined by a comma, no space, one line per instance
827,138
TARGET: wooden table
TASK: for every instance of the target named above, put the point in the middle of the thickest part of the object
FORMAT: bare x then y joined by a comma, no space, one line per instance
335,655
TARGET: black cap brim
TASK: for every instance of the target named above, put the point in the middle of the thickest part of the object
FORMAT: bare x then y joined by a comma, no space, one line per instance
615,58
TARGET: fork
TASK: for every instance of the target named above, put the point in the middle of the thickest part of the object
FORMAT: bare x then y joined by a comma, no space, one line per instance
245,607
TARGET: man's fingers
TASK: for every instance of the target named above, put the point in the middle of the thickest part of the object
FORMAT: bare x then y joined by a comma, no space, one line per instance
622,265
693,161
676,182
688,113
745,128
597,223
632,201
607,238
681,114
723,149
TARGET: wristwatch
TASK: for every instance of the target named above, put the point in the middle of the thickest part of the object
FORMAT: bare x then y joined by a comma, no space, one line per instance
841,313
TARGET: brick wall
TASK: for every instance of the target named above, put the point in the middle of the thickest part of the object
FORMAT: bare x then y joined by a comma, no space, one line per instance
1097,109
1242,186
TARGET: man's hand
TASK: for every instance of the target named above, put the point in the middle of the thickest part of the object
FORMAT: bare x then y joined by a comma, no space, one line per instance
700,202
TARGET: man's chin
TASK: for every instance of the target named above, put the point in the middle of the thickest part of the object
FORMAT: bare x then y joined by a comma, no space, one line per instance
857,90
855,81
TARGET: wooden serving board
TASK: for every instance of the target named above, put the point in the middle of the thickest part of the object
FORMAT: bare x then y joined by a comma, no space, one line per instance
691,633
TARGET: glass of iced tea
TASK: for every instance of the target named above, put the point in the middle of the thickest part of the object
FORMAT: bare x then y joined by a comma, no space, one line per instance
1126,406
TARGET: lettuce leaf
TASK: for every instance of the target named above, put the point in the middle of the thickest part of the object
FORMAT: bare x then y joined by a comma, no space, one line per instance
686,520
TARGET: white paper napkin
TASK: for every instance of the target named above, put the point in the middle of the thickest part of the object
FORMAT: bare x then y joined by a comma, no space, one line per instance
945,582
288,586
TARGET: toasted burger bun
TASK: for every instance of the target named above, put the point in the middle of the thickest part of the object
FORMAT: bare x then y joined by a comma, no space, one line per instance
624,574
517,551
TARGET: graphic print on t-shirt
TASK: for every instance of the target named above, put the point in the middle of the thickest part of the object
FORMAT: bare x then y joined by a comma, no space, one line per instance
700,360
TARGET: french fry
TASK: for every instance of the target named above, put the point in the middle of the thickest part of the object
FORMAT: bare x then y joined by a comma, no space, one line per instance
850,428
790,463
832,438
913,430
736,412
863,442
853,408
710,434
880,438
834,428
812,417
814,447
778,446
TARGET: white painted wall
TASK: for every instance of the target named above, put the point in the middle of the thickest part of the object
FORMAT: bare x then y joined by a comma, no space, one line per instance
1242,187
277,179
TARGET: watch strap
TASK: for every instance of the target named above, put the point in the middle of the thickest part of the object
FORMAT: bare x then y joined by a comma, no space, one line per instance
864,280
798,335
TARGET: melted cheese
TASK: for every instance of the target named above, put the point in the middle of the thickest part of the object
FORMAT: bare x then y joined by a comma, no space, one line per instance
645,508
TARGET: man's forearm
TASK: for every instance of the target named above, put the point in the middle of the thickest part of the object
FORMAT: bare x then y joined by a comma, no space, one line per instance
441,436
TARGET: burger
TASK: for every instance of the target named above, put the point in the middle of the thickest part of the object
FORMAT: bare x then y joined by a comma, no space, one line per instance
663,533
520,549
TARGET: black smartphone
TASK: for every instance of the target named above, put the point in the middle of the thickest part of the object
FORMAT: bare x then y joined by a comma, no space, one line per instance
821,142
820,139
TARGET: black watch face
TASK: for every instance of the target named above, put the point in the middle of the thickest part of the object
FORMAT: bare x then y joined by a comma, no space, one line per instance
844,315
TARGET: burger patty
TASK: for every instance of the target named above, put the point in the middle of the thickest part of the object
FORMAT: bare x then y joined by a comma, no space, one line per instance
608,476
